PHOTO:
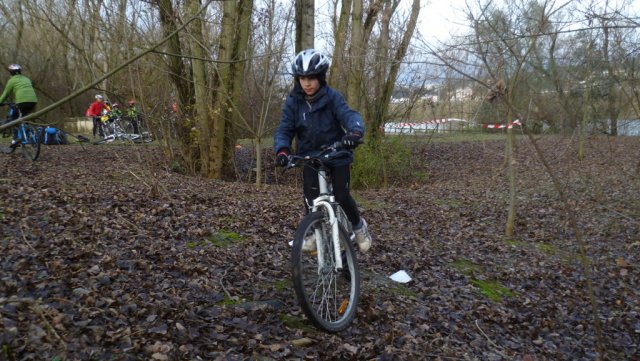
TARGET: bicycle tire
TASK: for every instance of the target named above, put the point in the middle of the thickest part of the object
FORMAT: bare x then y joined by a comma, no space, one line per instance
328,298
147,137
8,149
34,136
102,141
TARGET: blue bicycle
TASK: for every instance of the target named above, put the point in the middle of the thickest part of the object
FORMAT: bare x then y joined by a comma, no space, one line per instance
27,136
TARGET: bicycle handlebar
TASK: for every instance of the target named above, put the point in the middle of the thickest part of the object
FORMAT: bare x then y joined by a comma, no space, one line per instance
327,152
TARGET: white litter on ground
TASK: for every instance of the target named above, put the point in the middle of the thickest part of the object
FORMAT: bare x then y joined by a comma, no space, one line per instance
400,276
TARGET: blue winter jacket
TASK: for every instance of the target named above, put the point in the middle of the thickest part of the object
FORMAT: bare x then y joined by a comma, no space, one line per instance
322,121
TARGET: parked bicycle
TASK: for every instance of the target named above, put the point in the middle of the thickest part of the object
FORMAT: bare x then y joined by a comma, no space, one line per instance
26,135
116,128
326,276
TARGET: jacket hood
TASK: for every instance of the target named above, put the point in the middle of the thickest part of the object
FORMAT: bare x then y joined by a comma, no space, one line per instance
297,88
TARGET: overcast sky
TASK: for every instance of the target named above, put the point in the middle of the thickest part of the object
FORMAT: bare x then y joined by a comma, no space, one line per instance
438,18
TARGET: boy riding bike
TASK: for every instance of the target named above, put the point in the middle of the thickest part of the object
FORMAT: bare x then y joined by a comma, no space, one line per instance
318,115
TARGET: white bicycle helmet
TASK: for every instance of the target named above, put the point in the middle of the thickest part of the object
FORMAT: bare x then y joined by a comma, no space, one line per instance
310,62
99,97
14,69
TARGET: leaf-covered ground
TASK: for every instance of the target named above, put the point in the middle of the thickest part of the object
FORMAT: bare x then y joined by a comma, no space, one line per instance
105,254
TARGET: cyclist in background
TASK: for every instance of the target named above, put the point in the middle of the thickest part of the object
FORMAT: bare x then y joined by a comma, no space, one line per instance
23,93
115,111
133,115
318,115
95,111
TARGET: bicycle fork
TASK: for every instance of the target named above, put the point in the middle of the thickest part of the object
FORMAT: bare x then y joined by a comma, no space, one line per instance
324,201
335,236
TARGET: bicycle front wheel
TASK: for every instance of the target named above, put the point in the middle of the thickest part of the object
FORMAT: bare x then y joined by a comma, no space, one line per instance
34,136
329,298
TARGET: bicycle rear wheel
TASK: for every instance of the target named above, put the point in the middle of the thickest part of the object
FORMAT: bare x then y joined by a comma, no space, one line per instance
33,136
8,149
328,297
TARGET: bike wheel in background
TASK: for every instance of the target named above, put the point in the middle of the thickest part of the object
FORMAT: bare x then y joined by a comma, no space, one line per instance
33,140
146,137
8,149
106,139
328,298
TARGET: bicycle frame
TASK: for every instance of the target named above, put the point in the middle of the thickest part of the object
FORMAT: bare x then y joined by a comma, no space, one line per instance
326,200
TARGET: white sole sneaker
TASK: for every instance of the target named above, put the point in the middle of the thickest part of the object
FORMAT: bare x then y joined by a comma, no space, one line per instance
309,244
363,238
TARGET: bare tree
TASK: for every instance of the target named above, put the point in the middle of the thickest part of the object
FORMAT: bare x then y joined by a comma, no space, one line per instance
265,86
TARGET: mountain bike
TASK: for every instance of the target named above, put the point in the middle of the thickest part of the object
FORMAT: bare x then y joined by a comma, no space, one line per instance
115,128
137,129
326,277
28,136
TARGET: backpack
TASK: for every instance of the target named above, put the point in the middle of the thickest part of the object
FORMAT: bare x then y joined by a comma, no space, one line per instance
54,136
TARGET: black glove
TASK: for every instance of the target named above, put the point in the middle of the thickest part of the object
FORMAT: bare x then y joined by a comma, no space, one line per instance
282,158
351,140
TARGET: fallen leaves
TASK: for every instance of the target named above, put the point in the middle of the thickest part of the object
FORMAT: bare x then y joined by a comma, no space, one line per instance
94,266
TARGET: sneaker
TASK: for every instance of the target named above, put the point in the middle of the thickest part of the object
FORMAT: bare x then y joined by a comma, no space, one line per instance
363,238
309,243
14,143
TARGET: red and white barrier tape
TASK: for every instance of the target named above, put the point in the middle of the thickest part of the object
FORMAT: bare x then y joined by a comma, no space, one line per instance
417,124
502,126
424,124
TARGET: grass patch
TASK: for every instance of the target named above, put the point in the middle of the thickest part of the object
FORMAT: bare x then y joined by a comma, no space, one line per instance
493,290
297,323
514,243
368,203
224,238
466,267
546,248
226,301
283,285
420,176
402,290
458,136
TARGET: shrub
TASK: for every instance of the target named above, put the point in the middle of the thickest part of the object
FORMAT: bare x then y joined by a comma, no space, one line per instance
376,167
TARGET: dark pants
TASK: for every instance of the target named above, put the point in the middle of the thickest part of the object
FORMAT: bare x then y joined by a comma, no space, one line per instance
97,127
25,109
340,178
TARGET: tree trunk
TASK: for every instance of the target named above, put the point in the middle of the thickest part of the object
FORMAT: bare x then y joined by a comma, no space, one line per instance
339,62
357,52
236,91
511,160
179,75
234,36
305,24
387,77
612,108
221,102
201,105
